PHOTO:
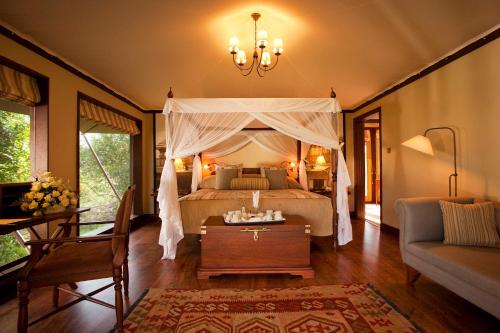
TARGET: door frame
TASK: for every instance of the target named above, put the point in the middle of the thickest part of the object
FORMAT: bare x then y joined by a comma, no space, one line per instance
359,162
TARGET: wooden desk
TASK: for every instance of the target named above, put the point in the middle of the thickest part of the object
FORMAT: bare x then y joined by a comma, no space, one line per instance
29,222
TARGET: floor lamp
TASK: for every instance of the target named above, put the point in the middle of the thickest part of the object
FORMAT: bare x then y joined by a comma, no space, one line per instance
423,144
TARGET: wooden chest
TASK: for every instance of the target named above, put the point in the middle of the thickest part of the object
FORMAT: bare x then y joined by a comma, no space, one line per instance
256,249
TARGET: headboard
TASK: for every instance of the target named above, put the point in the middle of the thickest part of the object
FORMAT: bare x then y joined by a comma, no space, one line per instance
251,171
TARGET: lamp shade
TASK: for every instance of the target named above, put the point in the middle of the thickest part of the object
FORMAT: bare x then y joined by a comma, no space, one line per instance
420,143
320,160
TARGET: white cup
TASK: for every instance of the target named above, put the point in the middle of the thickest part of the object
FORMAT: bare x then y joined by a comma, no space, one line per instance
278,215
235,218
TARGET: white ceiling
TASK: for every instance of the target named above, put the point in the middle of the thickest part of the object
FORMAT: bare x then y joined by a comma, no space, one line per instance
358,47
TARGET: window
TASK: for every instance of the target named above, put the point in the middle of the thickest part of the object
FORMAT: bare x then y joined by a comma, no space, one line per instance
104,176
109,143
15,163
23,148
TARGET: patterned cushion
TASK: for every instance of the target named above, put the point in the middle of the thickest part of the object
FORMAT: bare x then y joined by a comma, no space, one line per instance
246,183
470,224
208,182
277,179
223,178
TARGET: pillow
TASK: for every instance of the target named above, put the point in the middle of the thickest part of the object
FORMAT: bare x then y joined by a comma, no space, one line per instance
252,175
223,178
277,179
292,183
265,167
208,182
247,183
469,224
230,166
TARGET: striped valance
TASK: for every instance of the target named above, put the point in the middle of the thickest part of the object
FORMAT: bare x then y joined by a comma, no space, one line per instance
18,87
107,117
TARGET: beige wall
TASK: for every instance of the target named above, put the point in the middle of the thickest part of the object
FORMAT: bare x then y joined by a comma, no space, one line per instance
63,87
252,156
463,95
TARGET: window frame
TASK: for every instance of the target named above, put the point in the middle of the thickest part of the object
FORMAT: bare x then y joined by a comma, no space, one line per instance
135,152
39,120
39,139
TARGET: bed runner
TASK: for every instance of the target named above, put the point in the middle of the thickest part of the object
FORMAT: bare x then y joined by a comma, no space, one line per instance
211,194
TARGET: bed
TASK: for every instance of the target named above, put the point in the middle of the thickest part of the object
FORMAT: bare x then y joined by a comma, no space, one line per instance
314,208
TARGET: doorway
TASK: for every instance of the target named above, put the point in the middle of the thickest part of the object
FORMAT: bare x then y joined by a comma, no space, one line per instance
368,166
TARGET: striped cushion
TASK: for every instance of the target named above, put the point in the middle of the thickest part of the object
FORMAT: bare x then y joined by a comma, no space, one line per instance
249,184
470,224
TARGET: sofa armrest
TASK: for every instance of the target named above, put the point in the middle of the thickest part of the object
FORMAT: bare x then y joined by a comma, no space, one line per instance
421,219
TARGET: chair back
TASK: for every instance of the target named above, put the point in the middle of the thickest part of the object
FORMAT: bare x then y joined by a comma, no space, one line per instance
122,220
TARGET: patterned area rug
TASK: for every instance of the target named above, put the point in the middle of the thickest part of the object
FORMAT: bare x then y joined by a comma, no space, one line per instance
318,309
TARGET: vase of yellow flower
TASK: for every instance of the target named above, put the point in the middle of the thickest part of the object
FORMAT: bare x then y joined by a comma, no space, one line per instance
48,194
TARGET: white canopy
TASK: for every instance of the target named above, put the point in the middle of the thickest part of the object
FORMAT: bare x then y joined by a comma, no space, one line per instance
196,125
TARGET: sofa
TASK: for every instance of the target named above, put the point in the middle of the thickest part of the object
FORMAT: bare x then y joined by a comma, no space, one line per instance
469,271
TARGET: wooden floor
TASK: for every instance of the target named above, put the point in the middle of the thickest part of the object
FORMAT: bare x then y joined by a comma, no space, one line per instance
373,257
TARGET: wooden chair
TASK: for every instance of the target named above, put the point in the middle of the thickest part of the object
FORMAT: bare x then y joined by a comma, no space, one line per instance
75,259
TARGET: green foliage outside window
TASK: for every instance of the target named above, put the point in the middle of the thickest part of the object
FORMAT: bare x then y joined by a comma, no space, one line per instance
14,167
113,151
14,147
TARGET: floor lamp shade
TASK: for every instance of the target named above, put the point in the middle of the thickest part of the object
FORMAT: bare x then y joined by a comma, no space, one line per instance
423,144
420,143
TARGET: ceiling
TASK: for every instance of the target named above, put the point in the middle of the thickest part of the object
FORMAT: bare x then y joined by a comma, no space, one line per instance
358,47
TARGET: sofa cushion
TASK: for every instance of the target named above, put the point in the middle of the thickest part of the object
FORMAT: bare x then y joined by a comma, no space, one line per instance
472,224
478,266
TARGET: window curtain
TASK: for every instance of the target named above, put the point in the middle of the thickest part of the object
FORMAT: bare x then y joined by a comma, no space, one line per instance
107,117
195,125
18,87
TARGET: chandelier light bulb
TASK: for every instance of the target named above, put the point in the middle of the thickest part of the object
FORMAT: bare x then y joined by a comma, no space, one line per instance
241,58
233,45
266,59
278,46
262,38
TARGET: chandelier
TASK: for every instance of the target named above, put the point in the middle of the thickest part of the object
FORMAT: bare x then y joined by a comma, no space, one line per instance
261,62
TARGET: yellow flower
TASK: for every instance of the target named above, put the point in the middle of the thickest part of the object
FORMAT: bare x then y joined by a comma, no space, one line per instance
55,194
30,196
65,203
47,174
45,205
39,196
74,202
33,205
25,206
36,186
48,198
45,185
